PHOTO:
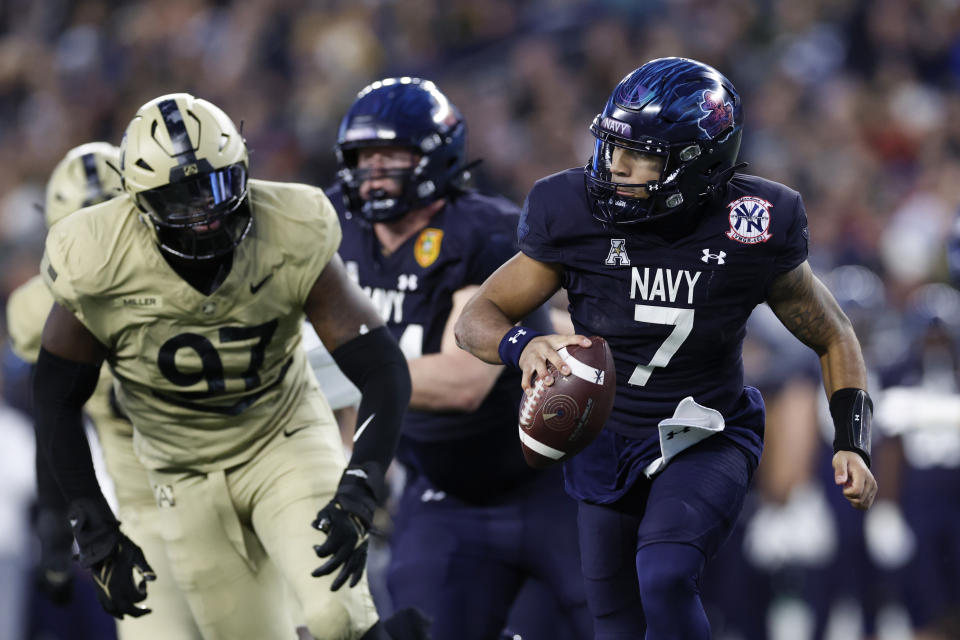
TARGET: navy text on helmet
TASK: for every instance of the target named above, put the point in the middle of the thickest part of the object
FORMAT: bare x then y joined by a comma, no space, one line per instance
402,112
681,110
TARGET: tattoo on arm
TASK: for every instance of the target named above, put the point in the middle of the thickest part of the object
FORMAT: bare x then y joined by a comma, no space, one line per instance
806,307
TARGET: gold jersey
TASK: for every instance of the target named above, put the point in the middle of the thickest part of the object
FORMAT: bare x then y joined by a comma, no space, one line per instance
205,379
27,311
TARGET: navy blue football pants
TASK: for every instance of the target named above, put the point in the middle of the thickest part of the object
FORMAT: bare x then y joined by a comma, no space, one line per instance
464,564
644,554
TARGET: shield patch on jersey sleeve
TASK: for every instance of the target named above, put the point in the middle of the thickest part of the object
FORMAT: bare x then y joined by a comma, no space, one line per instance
427,248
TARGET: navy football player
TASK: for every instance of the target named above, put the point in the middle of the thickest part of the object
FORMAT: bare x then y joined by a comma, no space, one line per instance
193,286
664,250
88,175
474,523
921,409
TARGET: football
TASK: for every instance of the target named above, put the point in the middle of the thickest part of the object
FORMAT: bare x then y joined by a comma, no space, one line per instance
558,421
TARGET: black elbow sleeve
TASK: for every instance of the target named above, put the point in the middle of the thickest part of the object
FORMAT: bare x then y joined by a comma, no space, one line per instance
375,364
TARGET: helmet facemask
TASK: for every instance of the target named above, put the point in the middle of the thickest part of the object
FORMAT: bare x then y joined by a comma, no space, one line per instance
381,205
202,216
692,174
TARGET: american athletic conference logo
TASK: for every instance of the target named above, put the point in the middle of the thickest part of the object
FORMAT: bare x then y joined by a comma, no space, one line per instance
749,220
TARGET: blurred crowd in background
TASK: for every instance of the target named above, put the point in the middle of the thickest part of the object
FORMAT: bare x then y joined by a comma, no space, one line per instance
855,103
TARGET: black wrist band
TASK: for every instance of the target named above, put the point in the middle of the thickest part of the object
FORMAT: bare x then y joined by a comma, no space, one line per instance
852,413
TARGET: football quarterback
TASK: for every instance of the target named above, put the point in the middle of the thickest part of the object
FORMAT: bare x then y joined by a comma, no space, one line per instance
664,250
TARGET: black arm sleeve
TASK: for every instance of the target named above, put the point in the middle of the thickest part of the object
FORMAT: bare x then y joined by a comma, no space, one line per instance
48,493
375,364
60,389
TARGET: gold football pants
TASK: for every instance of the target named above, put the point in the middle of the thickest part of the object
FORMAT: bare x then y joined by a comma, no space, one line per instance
240,542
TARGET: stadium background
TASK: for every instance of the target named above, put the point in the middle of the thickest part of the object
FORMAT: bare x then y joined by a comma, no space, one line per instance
854,103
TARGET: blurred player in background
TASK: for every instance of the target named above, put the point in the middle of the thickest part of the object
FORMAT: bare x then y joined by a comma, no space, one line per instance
193,286
474,523
87,175
920,523
664,252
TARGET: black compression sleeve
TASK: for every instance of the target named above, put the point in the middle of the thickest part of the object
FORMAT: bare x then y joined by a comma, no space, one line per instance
375,364
60,389
49,495
48,492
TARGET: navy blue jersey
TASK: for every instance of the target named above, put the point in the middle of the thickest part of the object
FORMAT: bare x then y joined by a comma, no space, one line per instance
673,311
413,289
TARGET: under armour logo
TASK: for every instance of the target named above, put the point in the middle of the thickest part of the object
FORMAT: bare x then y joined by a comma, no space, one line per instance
707,256
618,253
672,433
407,282
517,335
856,417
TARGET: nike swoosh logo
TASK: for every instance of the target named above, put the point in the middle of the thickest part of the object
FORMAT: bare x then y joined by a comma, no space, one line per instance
103,579
256,287
547,416
293,431
356,436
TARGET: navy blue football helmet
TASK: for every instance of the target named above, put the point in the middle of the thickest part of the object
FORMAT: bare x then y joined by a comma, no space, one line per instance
402,112
680,109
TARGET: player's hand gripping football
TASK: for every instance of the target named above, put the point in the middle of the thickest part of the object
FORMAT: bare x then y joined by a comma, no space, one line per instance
542,352
852,473
346,520
121,580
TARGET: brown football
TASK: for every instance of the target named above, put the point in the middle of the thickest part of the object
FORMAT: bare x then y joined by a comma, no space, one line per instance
558,421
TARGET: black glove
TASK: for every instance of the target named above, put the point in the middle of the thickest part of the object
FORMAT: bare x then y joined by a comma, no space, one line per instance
121,580
346,521
54,571
119,569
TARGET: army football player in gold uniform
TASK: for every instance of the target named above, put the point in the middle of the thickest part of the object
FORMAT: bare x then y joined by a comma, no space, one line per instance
193,286
87,175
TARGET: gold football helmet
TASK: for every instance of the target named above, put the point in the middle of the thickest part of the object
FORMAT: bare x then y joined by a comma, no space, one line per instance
87,175
185,165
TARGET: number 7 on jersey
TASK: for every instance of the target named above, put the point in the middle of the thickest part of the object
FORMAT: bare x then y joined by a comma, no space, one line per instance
682,321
